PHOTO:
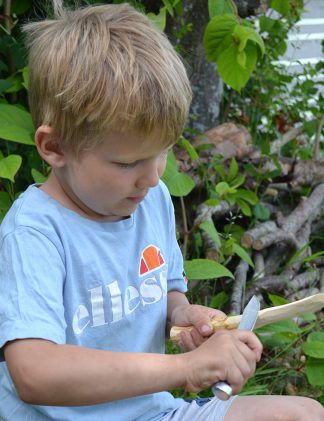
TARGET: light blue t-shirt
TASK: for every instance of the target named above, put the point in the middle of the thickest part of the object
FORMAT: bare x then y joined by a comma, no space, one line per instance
103,285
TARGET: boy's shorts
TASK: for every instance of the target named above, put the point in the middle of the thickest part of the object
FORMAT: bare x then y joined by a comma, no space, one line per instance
201,409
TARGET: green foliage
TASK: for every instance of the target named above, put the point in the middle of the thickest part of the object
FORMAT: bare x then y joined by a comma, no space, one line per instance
199,269
293,357
16,124
178,183
277,100
232,43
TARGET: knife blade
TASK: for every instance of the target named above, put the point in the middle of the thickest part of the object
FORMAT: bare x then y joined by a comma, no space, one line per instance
249,317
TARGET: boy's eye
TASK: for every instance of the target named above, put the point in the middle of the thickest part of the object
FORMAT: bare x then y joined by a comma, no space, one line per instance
126,164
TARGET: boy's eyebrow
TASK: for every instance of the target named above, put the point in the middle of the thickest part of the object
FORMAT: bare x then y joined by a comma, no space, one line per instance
132,159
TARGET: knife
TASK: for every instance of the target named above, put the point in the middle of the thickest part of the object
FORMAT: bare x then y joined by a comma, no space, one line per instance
249,317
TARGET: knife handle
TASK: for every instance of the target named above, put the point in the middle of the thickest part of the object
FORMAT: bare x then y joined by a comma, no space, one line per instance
222,391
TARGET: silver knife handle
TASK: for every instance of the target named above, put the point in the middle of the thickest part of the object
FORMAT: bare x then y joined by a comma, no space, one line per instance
222,391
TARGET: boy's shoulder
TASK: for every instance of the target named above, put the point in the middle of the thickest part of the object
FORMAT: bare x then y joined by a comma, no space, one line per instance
31,209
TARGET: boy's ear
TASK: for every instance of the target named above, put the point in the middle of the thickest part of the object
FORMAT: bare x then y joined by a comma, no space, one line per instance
48,147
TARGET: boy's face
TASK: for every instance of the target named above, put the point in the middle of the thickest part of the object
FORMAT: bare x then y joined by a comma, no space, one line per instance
109,181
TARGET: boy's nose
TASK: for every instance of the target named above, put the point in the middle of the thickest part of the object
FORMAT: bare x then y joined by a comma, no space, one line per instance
150,175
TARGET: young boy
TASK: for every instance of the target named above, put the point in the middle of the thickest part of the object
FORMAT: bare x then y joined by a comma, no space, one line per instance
91,273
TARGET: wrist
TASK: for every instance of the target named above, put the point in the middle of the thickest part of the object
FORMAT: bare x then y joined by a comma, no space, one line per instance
178,314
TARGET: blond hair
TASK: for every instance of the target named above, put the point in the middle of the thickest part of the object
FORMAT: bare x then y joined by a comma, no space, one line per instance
101,68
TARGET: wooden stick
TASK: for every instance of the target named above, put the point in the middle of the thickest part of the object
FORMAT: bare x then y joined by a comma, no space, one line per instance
266,316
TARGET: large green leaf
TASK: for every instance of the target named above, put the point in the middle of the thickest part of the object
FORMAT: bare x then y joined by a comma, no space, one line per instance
315,371
179,184
205,269
242,34
9,167
159,20
221,7
209,227
231,71
218,35
315,336
16,124
314,349
281,6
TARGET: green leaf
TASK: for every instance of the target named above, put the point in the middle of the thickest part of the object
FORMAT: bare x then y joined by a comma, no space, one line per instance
5,204
266,23
281,6
238,181
233,169
276,300
5,85
38,177
315,336
209,227
313,256
247,195
242,254
25,76
221,171
199,269
179,184
315,371
242,34
218,35
221,7
232,73
168,7
158,20
219,300
184,143
261,212
279,334
245,208
281,47
20,6
222,188
281,326
16,83
212,202
9,167
241,58
314,349
16,124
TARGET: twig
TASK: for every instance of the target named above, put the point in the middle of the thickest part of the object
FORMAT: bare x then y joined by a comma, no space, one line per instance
237,297
185,228
316,154
321,280
276,145
258,266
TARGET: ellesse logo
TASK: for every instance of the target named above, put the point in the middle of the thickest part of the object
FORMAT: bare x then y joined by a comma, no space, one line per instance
151,260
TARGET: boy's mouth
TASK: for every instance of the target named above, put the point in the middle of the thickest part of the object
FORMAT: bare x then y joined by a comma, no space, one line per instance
136,199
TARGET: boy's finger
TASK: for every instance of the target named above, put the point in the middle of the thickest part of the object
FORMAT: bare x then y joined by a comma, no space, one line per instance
252,341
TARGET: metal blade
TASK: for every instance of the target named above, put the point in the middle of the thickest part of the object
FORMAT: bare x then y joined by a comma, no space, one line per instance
249,317
250,314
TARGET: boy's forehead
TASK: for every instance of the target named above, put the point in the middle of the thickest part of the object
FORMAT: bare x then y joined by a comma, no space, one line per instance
130,143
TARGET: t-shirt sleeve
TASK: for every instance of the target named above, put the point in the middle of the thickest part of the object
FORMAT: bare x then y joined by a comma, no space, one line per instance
176,275
32,277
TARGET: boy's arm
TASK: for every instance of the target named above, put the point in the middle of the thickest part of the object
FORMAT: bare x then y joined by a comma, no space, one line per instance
45,373
68,375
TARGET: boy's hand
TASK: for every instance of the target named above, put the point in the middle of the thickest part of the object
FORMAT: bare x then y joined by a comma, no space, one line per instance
198,316
229,356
